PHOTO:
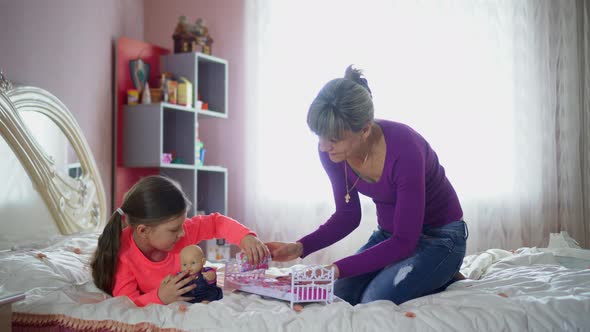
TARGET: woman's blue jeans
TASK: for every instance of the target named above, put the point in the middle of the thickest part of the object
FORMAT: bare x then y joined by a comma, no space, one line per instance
437,259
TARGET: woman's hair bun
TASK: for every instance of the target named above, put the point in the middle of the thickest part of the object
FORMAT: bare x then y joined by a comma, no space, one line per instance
356,75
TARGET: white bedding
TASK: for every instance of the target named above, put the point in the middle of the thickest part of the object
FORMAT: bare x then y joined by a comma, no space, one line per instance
522,291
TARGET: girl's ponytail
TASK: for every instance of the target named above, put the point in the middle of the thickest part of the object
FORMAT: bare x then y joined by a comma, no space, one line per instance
104,262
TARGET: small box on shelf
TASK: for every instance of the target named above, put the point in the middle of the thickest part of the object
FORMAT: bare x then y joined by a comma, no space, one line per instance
185,92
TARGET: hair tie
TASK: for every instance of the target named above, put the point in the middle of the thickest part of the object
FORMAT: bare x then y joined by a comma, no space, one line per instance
120,211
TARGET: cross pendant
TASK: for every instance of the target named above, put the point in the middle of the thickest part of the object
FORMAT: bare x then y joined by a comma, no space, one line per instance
347,198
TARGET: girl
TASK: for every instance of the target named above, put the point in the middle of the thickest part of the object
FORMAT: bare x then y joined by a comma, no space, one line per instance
141,259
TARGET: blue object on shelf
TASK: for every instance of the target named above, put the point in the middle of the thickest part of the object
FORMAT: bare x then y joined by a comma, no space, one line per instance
202,156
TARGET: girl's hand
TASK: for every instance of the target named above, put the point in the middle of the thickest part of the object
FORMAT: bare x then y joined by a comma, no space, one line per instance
285,251
254,249
173,286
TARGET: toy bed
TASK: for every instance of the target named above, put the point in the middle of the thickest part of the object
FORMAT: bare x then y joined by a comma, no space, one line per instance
529,289
302,284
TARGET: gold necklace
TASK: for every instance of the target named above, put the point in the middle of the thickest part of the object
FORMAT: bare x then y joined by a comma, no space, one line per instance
348,190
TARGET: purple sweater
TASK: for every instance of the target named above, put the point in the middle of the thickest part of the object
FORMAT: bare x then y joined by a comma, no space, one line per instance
412,191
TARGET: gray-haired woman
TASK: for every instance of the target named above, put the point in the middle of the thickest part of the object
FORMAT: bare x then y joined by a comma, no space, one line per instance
420,240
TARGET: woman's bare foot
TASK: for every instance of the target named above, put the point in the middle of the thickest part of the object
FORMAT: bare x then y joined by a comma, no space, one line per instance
459,276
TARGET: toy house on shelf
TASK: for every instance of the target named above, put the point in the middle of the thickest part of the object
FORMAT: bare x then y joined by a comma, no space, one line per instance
192,37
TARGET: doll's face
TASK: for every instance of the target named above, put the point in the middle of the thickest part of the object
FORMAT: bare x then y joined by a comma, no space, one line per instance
192,259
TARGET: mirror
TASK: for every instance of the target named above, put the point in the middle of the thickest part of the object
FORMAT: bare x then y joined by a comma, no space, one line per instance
22,208
49,167
53,143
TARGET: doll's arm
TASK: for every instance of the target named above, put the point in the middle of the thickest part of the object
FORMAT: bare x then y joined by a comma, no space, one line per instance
209,274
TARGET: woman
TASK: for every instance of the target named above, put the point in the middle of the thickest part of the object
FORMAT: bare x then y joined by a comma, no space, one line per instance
420,241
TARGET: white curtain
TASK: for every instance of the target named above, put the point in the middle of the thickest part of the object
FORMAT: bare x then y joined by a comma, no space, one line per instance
499,88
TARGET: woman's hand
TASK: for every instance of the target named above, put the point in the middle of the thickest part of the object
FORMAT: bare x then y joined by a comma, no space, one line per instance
254,249
336,270
173,286
285,251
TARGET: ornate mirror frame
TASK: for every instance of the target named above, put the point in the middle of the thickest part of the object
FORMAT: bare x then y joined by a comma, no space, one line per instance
75,204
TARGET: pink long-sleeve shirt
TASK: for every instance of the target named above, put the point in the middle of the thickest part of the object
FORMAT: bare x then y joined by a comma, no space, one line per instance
139,278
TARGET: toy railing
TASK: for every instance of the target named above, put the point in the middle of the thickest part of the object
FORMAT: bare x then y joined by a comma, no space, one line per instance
313,283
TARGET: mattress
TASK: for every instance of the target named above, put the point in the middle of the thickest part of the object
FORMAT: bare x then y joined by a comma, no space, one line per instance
530,289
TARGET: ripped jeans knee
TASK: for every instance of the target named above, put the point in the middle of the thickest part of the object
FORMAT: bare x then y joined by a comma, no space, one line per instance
430,269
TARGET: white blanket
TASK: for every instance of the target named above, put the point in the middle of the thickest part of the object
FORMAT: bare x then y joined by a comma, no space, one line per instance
522,291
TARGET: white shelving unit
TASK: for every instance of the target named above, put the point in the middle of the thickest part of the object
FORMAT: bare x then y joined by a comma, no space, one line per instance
153,129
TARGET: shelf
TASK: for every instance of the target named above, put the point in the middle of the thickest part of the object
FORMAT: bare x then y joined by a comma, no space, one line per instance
210,58
161,105
206,168
168,106
211,168
187,180
203,113
211,114
177,166
209,76
211,189
150,130
177,107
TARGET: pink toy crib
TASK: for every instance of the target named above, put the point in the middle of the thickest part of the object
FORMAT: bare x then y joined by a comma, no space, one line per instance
313,283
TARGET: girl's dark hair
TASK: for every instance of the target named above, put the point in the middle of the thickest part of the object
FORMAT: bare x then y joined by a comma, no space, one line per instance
153,200
342,104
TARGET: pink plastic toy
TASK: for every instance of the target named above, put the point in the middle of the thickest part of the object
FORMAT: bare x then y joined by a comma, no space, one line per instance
166,158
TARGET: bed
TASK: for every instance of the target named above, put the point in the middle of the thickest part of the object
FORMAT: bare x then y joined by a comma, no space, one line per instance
527,289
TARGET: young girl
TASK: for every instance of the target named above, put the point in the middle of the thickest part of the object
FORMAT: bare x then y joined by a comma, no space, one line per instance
141,259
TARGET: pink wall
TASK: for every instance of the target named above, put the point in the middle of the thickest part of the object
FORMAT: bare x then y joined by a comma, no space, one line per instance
65,47
224,138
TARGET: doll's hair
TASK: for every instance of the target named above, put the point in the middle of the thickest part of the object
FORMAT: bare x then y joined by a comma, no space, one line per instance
342,104
188,250
152,201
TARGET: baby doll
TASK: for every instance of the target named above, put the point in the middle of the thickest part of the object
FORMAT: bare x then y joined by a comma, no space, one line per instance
192,260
